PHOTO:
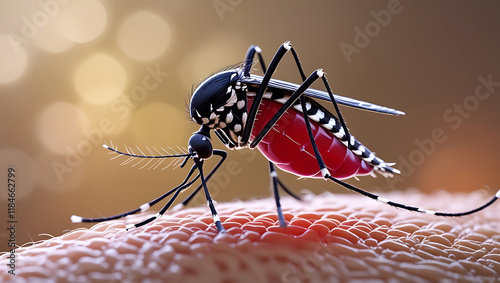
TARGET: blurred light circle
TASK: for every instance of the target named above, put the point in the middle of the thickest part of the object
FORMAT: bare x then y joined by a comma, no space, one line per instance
49,40
13,59
25,175
143,36
160,124
81,21
60,126
100,79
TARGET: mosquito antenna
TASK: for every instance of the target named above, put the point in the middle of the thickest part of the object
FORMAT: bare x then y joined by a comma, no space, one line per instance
131,154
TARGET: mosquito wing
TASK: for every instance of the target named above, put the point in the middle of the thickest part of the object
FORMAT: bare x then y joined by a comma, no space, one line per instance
253,79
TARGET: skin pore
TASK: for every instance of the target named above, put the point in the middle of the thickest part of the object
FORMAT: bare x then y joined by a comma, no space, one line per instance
330,237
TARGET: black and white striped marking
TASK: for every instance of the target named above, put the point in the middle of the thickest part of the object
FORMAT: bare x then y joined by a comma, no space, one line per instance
320,115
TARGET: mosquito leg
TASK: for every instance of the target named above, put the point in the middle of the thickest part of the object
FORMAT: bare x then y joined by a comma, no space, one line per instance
330,93
291,101
274,184
189,198
177,190
284,48
215,216
263,86
142,208
413,208
252,50
281,184
287,190
181,187
298,94
223,156
158,215
321,163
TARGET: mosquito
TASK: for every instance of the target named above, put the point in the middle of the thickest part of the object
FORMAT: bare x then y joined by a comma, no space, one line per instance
285,122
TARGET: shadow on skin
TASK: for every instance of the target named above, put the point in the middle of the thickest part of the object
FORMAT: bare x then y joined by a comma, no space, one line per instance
330,238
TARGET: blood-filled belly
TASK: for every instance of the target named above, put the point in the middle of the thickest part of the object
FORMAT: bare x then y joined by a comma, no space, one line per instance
288,146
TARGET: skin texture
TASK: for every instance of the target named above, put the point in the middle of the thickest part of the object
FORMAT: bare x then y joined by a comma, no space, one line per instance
330,237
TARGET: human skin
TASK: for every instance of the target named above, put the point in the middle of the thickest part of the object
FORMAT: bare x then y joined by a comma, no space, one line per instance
330,238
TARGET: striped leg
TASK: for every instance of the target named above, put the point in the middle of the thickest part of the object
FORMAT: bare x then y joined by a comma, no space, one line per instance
252,113
223,156
284,48
296,95
321,163
252,50
215,216
160,213
275,182
199,166
185,184
330,93
142,208
413,208
179,189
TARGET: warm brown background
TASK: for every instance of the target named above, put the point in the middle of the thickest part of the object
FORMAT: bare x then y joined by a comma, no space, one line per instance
77,61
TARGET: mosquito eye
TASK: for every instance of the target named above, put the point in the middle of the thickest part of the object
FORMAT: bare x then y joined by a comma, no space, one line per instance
201,145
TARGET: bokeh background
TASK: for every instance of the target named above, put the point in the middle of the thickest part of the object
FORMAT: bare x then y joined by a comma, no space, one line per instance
77,73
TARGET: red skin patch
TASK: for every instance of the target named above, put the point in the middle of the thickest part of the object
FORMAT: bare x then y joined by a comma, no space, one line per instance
329,237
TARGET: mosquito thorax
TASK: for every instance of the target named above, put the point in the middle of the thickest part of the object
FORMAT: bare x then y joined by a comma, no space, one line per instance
219,103
212,96
200,144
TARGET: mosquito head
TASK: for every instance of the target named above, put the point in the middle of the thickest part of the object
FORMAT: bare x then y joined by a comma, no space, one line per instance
200,144
212,95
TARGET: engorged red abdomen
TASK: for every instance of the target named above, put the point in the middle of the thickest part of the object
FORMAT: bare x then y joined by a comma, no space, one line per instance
288,146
